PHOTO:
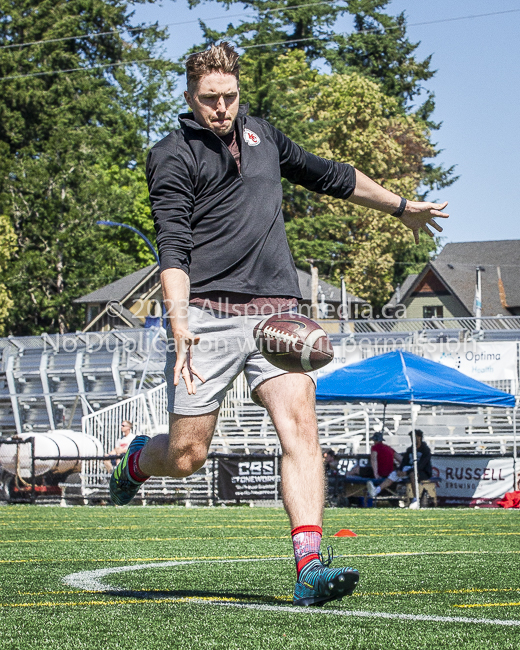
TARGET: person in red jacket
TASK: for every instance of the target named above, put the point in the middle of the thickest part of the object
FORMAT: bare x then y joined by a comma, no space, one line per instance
383,460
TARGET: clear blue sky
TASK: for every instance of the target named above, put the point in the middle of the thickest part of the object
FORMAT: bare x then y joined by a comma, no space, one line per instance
477,90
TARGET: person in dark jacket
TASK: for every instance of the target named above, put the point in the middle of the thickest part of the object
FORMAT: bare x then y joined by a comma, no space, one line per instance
216,194
406,469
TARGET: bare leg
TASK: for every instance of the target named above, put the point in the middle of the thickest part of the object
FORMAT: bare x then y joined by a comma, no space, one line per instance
385,484
290,401
184,450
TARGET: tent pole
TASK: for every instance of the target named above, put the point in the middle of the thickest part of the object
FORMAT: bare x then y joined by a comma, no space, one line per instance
515,474
414,448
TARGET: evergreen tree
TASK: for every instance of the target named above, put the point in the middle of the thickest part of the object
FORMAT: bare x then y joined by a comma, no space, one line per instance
378,46
74,143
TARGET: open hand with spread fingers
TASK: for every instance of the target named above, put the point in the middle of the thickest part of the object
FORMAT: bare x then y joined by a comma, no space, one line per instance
184,342
420,215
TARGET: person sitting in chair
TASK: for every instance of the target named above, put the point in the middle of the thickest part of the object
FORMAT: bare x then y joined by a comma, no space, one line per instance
121,445
383,460
406,470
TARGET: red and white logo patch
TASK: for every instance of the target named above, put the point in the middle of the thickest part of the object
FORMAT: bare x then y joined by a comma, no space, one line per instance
251,138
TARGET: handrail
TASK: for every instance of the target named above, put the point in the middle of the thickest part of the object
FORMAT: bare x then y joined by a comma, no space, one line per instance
411,325
344,418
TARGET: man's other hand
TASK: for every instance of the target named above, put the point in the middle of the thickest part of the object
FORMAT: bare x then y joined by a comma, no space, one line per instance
419,215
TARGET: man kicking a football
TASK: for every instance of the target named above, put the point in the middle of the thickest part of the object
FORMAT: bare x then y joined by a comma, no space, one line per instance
216,194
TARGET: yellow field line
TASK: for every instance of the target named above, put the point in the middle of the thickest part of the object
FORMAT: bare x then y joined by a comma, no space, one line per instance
133,601
127,540
249,557
190,538
447,526
358,594
151,559
19,512
90,602
432,534
135,591
426,592
137,527
159,601
488,605
193,514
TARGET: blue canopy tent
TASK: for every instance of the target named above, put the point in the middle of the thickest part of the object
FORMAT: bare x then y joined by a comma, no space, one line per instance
401,377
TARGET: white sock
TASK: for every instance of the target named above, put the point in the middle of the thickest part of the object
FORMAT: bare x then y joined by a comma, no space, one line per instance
378,490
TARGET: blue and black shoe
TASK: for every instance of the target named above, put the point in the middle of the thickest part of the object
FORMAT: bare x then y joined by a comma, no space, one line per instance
123,488
318,584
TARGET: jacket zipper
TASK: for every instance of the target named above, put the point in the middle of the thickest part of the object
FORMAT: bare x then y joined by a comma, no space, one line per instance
203,128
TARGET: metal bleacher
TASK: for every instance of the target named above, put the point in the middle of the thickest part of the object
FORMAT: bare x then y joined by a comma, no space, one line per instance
51,382
243,427
92,381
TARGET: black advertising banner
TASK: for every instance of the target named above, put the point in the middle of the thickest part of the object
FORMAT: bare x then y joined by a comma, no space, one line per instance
247,479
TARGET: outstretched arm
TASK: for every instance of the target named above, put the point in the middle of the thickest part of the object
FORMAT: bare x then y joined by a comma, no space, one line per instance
342,181
417,215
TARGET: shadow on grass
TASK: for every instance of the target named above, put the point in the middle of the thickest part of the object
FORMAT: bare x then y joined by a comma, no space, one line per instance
198,593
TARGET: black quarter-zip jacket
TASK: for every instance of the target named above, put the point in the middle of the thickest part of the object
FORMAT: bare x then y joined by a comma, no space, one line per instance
225,229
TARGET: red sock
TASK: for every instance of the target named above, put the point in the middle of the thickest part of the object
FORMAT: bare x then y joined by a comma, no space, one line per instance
306,542
133,467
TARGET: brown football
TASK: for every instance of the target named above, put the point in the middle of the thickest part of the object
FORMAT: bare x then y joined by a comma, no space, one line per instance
293,342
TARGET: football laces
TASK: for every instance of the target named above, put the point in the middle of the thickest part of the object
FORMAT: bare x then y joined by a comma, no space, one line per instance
281,336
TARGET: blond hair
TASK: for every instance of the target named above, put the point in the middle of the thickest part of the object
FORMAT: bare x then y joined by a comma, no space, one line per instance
219,58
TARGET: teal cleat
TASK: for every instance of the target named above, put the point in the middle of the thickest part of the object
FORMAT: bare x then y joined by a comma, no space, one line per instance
317,584
123,488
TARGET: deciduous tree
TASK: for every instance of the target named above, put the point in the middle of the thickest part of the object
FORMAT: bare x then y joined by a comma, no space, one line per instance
7,249
346,117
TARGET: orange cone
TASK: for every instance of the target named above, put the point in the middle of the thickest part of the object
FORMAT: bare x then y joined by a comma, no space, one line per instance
345,532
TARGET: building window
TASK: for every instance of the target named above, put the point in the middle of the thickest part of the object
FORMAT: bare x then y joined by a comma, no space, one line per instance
92,312
433,311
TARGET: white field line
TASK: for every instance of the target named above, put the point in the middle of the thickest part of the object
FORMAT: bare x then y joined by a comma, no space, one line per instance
91,581
359,614
406,553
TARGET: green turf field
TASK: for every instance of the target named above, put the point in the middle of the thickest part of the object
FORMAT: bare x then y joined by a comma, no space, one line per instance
232,584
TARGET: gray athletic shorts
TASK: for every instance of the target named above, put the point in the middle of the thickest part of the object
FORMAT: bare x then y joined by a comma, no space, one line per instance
226,349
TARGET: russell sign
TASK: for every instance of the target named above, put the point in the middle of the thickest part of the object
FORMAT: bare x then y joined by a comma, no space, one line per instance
472,480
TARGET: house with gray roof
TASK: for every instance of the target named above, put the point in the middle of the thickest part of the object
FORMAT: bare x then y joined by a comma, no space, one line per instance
446,286
135,300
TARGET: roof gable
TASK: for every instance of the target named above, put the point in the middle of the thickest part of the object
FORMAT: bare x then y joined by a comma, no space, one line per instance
431,284
454,271
119,289
497,259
